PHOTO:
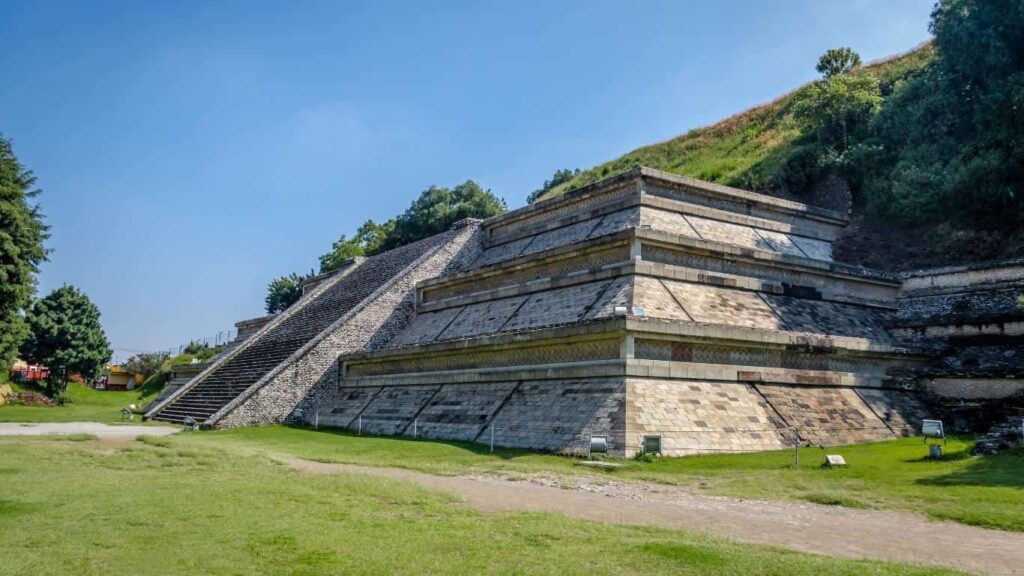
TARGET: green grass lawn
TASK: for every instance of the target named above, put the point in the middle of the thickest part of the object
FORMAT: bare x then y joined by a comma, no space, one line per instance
195,504
87,405
985,492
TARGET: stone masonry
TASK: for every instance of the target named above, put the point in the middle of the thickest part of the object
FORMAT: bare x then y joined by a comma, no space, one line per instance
644,306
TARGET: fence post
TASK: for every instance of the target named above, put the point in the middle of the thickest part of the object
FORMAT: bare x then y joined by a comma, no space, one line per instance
796,448
415,424
492,438
360,424
316,418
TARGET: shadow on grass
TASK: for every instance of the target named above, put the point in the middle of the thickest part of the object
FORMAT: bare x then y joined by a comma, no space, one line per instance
1001,470
472,447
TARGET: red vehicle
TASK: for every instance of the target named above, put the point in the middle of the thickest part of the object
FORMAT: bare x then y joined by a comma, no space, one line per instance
22,372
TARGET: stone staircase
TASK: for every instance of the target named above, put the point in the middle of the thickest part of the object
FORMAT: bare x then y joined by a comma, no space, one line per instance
255,358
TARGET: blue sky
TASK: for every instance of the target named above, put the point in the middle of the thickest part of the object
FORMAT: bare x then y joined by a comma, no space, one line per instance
189,152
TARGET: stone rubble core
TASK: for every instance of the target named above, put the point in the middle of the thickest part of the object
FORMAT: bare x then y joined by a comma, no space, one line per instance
969,322
647,304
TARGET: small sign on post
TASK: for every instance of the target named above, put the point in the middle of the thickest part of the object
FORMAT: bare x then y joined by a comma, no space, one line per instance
933,429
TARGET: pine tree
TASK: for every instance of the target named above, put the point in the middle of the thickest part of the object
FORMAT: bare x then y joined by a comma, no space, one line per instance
22,233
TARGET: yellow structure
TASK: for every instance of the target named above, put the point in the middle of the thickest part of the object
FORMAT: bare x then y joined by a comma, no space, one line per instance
121,379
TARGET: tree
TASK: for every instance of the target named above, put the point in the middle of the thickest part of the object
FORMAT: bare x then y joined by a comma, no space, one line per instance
837,61
343,250
145,363
22,234
952,136
368,240
65,335
836,111
283,292
437,209
560,177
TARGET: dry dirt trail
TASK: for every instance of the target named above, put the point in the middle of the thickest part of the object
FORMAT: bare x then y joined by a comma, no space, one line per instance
828,530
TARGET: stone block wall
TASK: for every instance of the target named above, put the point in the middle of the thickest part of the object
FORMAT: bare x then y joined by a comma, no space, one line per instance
393,409
305,383
694,417
825,415
560,415
462,411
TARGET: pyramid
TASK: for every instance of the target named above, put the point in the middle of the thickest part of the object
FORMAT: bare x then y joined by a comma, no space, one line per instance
654,311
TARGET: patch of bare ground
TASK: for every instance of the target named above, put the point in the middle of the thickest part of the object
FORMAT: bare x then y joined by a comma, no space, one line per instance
828,530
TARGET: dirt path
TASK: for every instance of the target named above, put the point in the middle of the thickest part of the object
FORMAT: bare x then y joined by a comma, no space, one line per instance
102,431
830,530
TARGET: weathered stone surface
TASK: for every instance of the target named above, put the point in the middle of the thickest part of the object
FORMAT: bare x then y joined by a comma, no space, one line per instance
656,301
901,410
825,416
698,417
345,406
724,306
820,317
393,410
556,306
560,415
426,326
779,242
462,411
813,248
618,293
483,318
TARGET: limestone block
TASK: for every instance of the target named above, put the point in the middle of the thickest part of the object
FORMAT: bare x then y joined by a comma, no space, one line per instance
559,415
814,248
556,306
715,305
825,415
701,417
426,327
651,295
834,319
616,221
779,242
344,406
502,252
482,318
394,408
728,233
460,411
665,221
561,236
619,293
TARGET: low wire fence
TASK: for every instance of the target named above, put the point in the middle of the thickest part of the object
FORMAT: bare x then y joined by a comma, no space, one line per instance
577,441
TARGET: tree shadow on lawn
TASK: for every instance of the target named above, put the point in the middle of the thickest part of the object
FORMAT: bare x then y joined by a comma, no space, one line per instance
472,447
1000,470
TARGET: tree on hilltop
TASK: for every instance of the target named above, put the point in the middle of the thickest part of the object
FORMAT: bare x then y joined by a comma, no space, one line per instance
837,61
66,336
22,233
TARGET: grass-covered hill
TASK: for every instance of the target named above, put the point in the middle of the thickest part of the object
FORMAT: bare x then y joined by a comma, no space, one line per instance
747,150
925,148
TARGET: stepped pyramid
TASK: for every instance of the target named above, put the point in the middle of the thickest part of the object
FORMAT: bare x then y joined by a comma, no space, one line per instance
263,378
648,308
